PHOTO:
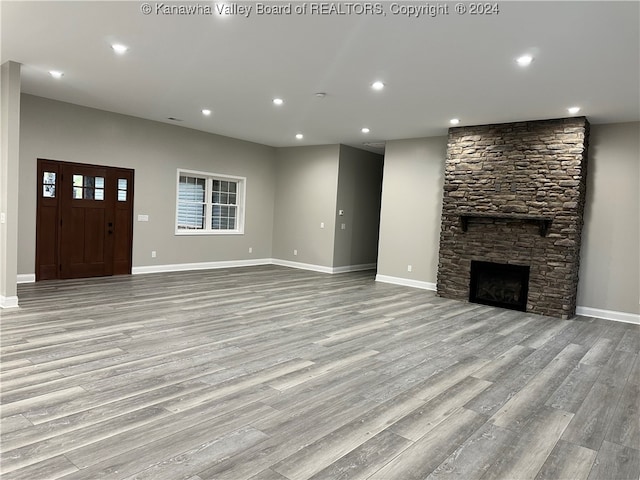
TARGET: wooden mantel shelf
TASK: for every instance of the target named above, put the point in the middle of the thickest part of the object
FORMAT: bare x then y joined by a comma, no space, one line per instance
543,222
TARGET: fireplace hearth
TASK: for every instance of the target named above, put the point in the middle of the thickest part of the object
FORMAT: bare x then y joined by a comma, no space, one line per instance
499,285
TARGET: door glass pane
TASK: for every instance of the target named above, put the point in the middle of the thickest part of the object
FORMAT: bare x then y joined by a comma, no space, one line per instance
99,192
88,187
49,184
122,189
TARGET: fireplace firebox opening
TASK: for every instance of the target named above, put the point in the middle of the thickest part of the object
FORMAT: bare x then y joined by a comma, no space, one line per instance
499,285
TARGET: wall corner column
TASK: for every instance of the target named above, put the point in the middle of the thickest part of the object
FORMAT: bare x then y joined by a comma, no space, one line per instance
9,165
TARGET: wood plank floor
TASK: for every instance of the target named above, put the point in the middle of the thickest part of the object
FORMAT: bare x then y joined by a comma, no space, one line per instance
270,373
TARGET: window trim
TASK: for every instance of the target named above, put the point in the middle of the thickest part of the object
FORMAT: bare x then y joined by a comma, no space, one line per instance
240,196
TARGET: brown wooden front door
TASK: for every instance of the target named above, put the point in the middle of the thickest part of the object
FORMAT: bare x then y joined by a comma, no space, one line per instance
84,224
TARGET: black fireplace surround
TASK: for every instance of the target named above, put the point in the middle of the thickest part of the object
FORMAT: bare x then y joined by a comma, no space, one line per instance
499,285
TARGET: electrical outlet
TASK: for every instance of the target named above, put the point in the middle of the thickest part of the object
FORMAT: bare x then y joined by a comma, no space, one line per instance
250,249
321,224
409,268
343,226
153,254
295,252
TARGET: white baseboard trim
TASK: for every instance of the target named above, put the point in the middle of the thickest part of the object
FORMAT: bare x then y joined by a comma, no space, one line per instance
355,268
406,282
608,315
180,267
302,266
8,302
26,278
322,268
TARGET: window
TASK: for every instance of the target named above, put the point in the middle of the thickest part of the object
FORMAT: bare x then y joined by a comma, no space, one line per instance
208,203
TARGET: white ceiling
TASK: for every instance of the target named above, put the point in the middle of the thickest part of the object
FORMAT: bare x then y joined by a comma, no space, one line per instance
586,54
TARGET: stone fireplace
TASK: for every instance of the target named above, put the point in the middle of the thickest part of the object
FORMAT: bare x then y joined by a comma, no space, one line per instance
514,195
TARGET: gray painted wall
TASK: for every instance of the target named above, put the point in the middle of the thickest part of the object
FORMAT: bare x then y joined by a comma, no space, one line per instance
411,208
62,131
305,197
359,194
609,275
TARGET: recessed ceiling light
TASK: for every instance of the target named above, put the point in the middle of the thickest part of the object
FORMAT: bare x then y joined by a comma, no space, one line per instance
573,110
56,73
278,101
299,136
206,111
365,130
524,60
454,121
377,85
119,48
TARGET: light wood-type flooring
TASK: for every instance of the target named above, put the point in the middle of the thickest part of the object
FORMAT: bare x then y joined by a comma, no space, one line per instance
271,373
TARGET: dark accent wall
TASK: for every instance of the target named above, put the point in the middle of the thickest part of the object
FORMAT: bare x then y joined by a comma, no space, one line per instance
518,189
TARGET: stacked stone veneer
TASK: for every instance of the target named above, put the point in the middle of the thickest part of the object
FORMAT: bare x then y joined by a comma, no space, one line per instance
516,170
